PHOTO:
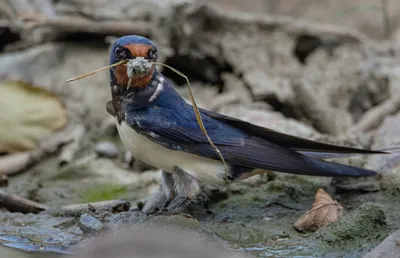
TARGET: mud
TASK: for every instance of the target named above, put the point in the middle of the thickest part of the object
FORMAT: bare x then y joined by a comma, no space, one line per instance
258,68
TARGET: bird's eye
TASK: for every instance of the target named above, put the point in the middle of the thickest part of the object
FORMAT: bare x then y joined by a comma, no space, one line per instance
152,54
120,52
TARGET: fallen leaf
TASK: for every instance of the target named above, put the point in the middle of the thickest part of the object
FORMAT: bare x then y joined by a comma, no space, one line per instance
27,114
324,211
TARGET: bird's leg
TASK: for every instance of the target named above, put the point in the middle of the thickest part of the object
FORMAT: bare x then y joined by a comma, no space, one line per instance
182,203
187,186
164,194
167,183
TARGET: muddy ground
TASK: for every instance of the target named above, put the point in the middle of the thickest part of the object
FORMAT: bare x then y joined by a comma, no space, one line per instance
318,81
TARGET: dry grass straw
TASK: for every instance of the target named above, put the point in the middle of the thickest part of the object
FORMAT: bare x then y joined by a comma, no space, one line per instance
195,108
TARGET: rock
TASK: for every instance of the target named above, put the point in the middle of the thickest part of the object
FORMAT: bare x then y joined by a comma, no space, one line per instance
107,149
367,222
387,136
233,84
56,63
265,86
141,166
322,115
135,10
89,179
127,159
269,119
109,127
389,248
25,65
51,234
369,184
263,57
155,242
3,180
355,15
90,225
202,94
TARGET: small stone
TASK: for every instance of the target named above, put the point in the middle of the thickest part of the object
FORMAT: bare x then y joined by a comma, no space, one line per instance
128,159
107,149
90,225
370,184
387,136
3,180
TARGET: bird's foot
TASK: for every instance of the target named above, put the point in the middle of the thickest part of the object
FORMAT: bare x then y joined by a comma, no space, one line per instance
170,211
165,212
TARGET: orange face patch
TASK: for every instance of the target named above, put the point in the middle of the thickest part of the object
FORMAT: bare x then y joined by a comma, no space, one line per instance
139,81
138,49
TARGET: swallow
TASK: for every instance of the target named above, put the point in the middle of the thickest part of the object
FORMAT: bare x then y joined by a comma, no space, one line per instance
160,128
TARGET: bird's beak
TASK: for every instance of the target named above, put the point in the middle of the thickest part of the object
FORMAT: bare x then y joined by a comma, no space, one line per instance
138,67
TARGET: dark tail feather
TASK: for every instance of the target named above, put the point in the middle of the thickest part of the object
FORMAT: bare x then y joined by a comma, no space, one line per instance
315,167
324,168
332,155
328,155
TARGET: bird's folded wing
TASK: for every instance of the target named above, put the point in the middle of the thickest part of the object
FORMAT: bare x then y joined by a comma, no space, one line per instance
285,140
237,147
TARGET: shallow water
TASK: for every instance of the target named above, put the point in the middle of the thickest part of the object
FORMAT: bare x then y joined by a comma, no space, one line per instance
36,235
7,252
275,251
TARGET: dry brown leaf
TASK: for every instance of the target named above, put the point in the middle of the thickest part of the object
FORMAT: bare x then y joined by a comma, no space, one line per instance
27,114
324,211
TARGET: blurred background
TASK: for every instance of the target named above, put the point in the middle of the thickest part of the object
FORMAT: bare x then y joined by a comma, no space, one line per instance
326,70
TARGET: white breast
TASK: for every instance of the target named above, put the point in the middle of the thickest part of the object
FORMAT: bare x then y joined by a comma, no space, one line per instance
146,150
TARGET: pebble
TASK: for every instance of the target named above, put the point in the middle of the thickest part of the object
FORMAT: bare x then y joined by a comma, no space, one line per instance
3,180
90,225
107,149
128,159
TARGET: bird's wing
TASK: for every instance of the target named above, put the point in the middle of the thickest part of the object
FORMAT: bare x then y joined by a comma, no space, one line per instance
289,141
237,146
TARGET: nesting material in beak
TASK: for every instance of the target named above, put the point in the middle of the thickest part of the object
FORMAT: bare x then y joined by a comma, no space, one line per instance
138,67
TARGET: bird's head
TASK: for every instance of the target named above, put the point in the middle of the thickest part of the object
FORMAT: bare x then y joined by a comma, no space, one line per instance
127,48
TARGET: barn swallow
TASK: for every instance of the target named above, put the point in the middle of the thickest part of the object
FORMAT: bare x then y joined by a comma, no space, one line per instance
160,128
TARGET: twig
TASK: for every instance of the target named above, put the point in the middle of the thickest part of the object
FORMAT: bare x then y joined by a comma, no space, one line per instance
95,71
73,24
15,163
114,205
68,151
375,116
15,203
